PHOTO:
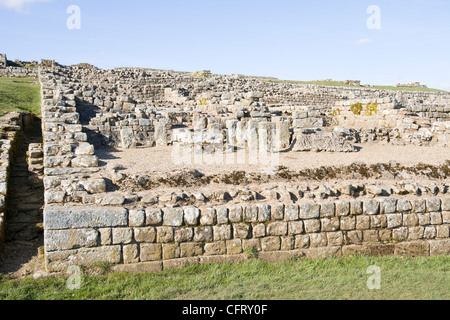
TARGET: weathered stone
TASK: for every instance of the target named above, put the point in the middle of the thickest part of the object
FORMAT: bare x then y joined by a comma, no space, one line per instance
58,261
151,252
342,208
400,234
348,223
136,218
222,232
335,238
404,206
235,214
363,222
270,244
371,207
222,216
241,231
145,235
264,213
356,207
153,217
190,250
410,220
215,248
433,205
292,212
318,240
251,214
170,251
122,235
173,217
130,254
309,211
312,226
58,218
113,200
70,239
412,249
439,247
327,210
203,234
394,220
208,217
295,228
234,246
277,211
277,229
165,234
191,216
388,206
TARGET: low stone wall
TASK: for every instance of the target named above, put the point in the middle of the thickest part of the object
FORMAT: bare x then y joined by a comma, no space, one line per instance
156,239
14,72
11,127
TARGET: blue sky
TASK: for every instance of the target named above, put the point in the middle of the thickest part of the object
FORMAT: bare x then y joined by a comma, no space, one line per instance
288,39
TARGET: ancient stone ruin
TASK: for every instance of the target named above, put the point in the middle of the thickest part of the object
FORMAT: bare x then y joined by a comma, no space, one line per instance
155,169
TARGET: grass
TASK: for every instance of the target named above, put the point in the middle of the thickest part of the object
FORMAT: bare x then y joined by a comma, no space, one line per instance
325,279
341,84
19,94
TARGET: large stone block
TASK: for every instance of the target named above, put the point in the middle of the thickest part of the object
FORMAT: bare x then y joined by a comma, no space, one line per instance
173,217
151,252
309,211
60,218
70,239
59,261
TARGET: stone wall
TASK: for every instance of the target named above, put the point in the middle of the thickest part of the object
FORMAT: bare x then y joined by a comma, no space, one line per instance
3,61
86,222
156,239
15,72
11,128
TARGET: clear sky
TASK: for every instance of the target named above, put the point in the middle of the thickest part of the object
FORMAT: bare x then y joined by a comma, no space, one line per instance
288,39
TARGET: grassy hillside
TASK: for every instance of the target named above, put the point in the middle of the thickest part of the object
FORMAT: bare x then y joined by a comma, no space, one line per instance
340,84
327,279
19,94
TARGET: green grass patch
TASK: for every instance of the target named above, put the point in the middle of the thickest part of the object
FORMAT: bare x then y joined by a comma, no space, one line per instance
19,94
340,84
328,279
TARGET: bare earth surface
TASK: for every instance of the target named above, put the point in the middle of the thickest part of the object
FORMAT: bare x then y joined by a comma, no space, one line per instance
165,159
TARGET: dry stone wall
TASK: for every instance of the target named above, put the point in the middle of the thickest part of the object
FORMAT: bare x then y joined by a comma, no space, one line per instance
11,128
156,239
86,223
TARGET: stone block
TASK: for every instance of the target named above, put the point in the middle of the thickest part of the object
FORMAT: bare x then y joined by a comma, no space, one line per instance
153,217
342,208
130,254
327,210
136,218
412,249
122,235
203,234
170,251
191,216
165,234
251,214
330,224
388,206
309,211
184,235
292,212
222,232
312,226
371,207
235,214
208,217
59,218
191,249
215,248
234,246
277,211
270,244
151,252
264,213
241,231
145,235
173,217
277,229
348,223
433,205
318,240
70,239
295,228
